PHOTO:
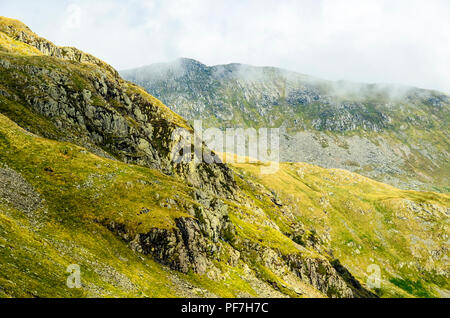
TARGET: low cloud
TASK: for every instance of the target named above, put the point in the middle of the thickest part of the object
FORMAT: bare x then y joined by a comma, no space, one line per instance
403,41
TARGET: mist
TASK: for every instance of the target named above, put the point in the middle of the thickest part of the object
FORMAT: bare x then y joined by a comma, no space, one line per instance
404,42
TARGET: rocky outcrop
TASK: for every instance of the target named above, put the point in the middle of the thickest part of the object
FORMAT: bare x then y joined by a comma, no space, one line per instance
193,241
183,248
357,290
315,271
213,216
187,247
320,274
350,117
20,32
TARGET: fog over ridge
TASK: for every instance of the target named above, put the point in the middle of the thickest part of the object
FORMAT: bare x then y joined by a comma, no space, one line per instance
404,42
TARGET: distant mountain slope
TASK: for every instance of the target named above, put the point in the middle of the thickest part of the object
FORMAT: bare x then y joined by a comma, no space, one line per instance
399,135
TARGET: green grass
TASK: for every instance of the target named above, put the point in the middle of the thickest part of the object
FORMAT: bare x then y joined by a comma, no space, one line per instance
82,190
413,288
368,223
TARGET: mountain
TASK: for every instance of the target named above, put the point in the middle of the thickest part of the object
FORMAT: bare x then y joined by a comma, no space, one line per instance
88,183
397,135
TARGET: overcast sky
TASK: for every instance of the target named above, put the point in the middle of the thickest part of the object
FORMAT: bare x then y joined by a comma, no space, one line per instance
387,41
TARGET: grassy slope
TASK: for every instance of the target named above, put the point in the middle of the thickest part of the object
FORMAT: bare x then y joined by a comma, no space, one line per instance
80,189
368,223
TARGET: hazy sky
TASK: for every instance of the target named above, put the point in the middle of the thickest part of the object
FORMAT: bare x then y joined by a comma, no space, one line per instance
388,41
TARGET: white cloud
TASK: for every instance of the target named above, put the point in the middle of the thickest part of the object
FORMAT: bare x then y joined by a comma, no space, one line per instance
73,17
402,41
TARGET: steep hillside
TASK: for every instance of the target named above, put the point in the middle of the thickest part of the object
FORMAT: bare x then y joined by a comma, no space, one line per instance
398,135
366,223
76,97
87,178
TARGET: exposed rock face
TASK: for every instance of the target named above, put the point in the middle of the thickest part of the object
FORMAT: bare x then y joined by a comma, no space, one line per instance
192,242
213,216
352,283
183,248
186,248
317,272
385,132
321,275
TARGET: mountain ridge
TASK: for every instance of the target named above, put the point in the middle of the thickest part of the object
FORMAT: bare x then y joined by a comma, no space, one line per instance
190,61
